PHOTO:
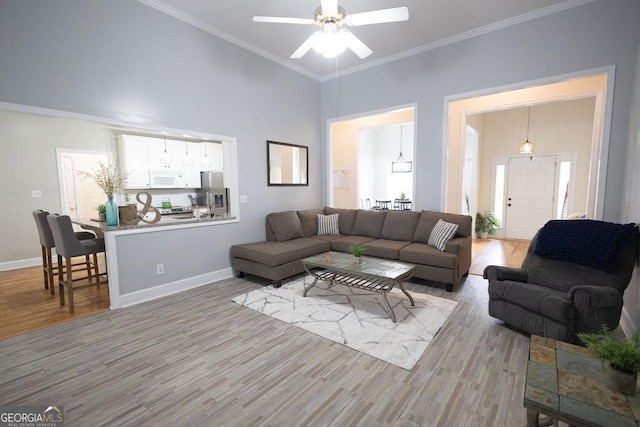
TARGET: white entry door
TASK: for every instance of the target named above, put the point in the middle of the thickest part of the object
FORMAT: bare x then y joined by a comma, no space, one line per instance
530,191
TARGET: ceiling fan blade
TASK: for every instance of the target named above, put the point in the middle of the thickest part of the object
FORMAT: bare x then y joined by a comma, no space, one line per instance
395,14
329,7
281,20
305,47
355,44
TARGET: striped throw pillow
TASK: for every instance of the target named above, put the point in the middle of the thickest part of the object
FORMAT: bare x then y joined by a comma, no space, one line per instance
328,224
441,234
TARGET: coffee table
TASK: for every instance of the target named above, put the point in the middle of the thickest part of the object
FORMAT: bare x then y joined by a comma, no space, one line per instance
566,383
373,274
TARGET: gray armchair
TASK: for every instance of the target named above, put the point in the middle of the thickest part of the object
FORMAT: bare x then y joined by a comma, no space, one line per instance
572,279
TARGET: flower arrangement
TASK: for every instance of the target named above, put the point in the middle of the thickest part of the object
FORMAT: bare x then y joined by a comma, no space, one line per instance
101,208
108,177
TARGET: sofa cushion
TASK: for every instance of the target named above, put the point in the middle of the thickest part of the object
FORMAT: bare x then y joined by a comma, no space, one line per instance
345,219
441,234
342,244
328,224
421,253
278,253
399,225
368,223
383,248
309,221
428,220
285,225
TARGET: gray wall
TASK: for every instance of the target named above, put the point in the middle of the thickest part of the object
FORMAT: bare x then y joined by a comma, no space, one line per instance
595,35
122,59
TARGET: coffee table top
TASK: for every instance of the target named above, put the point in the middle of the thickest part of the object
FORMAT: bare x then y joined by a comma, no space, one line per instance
370,266
565,380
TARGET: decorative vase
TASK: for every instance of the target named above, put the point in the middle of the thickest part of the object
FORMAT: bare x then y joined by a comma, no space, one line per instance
358,259
624,382
111,211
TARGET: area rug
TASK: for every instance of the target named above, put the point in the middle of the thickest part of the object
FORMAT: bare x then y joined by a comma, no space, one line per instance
356,318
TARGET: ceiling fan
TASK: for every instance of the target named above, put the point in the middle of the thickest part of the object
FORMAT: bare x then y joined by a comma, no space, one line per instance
332,39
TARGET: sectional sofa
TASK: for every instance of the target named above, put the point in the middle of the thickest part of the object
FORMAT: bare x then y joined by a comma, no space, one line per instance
400,235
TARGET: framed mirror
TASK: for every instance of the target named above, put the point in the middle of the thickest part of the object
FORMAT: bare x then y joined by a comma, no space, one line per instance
287,164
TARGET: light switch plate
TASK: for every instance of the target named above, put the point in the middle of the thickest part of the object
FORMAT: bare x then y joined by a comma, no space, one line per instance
243,198
36,194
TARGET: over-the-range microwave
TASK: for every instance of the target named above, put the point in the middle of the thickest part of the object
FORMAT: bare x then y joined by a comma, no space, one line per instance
165,179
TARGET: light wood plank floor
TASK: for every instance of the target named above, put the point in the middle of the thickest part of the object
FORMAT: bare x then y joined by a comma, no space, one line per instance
197,358
26,306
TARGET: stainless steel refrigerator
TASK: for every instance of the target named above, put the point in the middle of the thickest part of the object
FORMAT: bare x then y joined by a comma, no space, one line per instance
212,193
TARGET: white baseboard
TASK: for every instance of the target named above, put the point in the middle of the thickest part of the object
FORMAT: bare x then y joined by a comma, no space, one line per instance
21,263
156,292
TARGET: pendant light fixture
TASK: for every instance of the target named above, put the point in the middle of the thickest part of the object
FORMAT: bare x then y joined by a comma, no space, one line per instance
165,158
401,165
206,160
186,160
527,147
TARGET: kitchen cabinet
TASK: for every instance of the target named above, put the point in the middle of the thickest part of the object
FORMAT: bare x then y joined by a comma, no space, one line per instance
213,150
141,155
133,155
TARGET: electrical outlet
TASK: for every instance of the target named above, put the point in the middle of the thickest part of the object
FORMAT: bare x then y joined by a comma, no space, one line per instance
36,194
160,268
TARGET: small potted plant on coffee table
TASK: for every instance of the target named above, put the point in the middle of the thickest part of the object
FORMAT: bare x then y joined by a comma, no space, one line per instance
621,353
357,251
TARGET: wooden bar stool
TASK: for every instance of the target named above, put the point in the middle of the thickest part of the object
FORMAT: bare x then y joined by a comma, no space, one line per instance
47,243
68,246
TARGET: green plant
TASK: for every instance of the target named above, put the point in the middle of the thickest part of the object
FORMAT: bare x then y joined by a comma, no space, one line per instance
487,223
101,209
357,250
621,353
403,196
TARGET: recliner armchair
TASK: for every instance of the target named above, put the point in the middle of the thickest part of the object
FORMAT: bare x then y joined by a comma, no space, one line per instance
572,279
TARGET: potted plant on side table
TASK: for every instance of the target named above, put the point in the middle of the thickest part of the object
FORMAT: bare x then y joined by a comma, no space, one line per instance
621,353
357,251
486,225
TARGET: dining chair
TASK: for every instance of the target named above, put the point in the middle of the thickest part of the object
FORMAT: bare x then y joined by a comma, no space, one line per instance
68,246
383,204
47,244
366,204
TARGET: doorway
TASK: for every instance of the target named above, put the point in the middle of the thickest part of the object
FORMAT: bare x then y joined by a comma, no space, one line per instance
79,195
587,93
362,150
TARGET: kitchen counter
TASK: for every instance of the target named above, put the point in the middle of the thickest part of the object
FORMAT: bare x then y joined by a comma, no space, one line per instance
148,261
165,220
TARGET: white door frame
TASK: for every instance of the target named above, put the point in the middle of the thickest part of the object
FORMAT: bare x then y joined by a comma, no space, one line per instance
451,163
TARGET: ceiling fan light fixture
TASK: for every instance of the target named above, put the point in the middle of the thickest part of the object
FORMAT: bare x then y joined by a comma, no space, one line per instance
329,42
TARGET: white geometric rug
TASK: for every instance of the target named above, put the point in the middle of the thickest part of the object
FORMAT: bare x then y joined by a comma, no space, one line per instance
356,318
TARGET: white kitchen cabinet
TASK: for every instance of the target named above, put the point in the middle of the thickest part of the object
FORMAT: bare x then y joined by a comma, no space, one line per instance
214,151
134,161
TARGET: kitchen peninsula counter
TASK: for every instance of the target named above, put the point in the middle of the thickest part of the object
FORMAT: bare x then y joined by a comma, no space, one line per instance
167,220
149,261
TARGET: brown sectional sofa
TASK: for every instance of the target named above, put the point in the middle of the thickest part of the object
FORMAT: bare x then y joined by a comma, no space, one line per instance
402,235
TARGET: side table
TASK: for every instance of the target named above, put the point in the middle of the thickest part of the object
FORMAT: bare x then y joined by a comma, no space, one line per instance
566,383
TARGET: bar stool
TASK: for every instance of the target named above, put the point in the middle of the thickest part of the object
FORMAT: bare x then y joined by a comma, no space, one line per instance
383,204
68,246
47,243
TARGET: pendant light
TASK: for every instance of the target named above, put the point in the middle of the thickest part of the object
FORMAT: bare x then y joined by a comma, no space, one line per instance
527,147
206,160
186,160
165,158
401,165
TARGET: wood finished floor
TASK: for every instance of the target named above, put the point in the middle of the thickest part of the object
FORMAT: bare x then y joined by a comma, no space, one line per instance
197,358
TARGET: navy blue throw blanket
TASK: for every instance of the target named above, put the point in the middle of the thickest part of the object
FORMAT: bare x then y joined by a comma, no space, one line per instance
587,242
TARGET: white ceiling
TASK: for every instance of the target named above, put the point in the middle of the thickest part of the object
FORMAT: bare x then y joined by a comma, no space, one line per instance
432,23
